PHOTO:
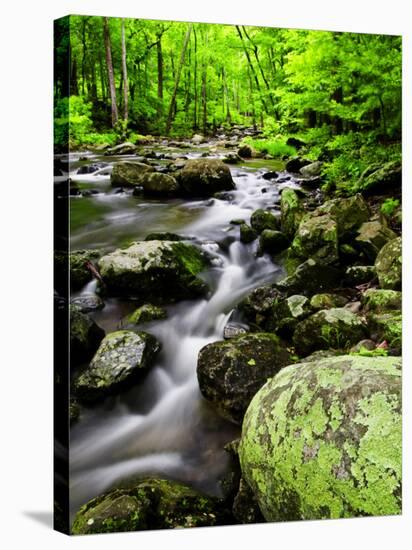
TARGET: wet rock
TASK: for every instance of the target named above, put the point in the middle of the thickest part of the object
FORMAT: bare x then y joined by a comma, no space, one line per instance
126,148
145,314
295,164
150,504
247,233
310,277
204,177
129,173
85,336
245,151
263,219
164,237
272,241
257,306
378,180
156,270
122,358
287,312
359,274
323,440
88,302
158,184
316,238
91,168
348,213
380,300
372,236
270,175
327,301
245,507
335,328
231,372
311,170
233,330
388,265
292,212
237,221
232,158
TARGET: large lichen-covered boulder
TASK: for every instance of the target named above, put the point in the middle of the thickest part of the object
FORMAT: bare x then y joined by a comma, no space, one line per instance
155,270
380,300
372,236
316,238
122,358
310,277
349,213
263,219
378,180
149,504
324,440
291,210
231,372
388,265
204,177
336,328
128,173
158,184
85,336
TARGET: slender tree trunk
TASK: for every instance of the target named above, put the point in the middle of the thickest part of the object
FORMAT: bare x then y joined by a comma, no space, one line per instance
195,82
83,55
204,98
110,73
125,82
177,79
74,86
252,69
251,99
226,95
159,74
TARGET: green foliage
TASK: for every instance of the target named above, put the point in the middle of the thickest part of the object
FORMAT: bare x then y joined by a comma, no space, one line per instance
377,352
275,147
389,206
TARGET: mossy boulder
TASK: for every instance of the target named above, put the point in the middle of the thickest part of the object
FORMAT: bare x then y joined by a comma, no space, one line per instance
372,236
310,277
327,301
149,504
292,212
88,302
162,271
359,274
287,312
164,236
158,184
231,372
204,177
324,440
85,336
258,305
145,314
263,219
379,300
295,164
128,173
311,170
349,213
388,265
247,233
379,180
272,241
245,151
316,238
387,327
122,358
336,328
126,148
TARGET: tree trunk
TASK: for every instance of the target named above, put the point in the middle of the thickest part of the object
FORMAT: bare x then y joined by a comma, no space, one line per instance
159,74
74,89
195,83
177,79
226,96
125,82
110,73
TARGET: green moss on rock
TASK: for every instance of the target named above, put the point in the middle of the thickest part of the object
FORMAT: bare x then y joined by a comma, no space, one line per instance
388,265
327,301
292,212
316,238
145,314
263,219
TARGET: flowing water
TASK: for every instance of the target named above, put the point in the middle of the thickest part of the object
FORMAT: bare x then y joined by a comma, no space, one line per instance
163,426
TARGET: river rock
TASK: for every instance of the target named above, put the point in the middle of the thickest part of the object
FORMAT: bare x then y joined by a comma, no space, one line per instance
327,301
371,238
128,173
316,238
158,270
247,233
359,274
348,213
145,314
379,180
204,177
126,148
233,330
310,277
198,139
287,312
257,306
380,300
311,170
245,151
166,236
388,264
324,440
85,336
231,372
122,358
272,241
232,158
263,219
149,504
295,164
88,302
335,328
158,184
292,212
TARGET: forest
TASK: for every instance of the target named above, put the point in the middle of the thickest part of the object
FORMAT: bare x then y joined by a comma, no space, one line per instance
338,92
228,274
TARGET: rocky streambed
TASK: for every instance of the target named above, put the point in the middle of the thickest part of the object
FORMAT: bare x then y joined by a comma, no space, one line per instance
199,277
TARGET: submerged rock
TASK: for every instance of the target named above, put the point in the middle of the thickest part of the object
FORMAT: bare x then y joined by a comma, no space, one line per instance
204,177
156,270
129,173
231,372
330,328
323,440
122,358
85,336
388,265
150,504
